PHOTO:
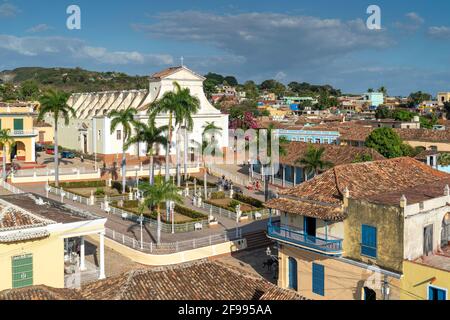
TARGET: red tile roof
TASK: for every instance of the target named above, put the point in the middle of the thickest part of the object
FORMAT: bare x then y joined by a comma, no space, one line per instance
335,154
166,72
378,181
192,281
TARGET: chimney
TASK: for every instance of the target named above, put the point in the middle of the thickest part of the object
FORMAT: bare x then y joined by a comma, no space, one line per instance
403,201
346,194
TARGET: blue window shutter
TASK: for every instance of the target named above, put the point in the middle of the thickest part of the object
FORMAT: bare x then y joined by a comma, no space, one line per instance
369,241
318,281
293,273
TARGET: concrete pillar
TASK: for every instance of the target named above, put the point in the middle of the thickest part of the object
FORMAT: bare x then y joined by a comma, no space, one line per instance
284,176
102,256
82,255
295,176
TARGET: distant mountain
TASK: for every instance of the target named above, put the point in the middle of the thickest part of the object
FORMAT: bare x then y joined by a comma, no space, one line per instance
74,79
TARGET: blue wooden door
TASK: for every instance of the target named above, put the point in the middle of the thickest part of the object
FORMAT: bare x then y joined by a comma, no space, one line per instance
292,273
318,281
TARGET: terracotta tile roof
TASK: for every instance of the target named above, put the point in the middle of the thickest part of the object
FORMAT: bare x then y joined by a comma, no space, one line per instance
425,153
372,181
166,72
192,281
40,293
427,135
41,124
307,208
335,154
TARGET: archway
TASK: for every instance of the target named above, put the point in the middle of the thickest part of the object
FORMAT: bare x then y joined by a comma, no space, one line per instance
445,230
20,151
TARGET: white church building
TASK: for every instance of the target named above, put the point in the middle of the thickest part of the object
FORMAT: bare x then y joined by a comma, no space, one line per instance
89,131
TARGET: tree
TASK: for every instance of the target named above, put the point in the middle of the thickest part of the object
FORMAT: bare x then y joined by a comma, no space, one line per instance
383,113
54,103
124,118
363,157
383,90
189,106
231,81
387,142
8,92
313,162
210,131
370,90
251,90
156,194
444,159
416,98
152,136
29,90
6,141
447,109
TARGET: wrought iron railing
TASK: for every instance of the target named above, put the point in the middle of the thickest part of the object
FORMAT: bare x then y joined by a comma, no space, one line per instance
326,244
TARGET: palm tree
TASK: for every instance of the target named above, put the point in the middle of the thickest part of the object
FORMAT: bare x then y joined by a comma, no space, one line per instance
5,140
55,104
312,161
169,103
156,194
210,130
125,118
383,90
151,135
190,106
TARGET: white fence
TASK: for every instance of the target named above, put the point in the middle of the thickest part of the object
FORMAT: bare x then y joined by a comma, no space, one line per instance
142,170
233,177
69,196
167,248
43,175
10,187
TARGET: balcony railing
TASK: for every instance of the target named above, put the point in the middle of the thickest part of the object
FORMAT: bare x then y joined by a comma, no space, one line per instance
23,133
299,238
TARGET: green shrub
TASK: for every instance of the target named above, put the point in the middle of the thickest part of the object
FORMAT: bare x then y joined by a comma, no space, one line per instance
200,182
99,192
189,212
118,186
218,195
249,200
233,204
82,184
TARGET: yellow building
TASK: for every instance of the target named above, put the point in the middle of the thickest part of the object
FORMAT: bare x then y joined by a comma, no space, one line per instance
18,118
426,278
443,97
349,232
42,242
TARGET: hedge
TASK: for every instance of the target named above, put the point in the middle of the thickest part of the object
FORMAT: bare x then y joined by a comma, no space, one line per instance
82,184
201,183
218,195
133,206
249,200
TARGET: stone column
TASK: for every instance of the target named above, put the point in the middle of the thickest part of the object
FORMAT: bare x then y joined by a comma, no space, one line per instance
102,256
82,255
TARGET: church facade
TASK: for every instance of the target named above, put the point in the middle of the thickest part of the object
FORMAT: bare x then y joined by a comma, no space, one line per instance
89,131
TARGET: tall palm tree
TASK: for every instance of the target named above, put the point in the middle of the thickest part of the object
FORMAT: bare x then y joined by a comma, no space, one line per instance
156,194
6,141
55,104
152,136
190,106
125,118
312,161
169,103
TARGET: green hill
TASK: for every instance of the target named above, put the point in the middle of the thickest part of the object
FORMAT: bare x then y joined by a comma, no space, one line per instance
74,79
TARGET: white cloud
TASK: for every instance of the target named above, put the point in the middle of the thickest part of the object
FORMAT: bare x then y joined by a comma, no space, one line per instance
39,28
8,10
439,32
411,23
268,41
72,48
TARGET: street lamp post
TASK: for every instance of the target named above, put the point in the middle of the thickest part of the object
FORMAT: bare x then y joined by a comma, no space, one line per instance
141,221
172,212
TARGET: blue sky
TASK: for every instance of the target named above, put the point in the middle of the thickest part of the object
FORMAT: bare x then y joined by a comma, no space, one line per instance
320,41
